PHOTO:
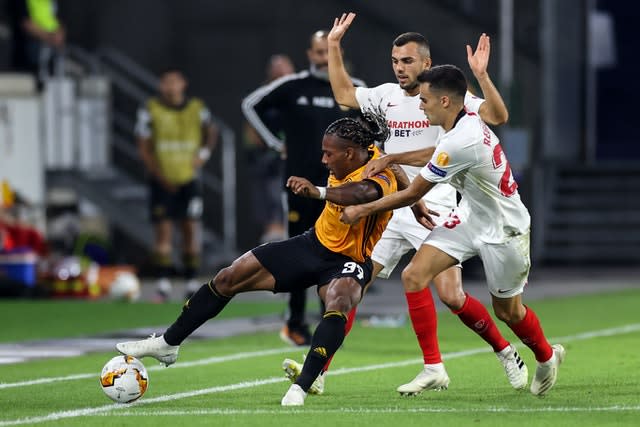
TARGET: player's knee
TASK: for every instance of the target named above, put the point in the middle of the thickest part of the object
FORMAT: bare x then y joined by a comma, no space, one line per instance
342,298
510,315
223,282
413,280
452,298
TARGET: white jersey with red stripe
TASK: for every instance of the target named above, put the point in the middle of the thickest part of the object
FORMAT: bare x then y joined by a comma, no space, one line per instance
470,158
410,130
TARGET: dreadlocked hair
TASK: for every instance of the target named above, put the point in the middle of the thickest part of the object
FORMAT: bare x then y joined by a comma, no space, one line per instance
370,127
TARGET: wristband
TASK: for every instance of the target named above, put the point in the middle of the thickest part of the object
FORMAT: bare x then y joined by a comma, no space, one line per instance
323,192
204,153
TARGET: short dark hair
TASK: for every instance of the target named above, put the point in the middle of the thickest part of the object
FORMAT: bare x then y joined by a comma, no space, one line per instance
370,127
416,38
446,78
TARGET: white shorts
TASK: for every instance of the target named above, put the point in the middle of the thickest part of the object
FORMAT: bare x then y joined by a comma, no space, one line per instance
402,234
506,264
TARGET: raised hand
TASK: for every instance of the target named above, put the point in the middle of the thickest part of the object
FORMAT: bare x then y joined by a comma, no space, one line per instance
340,27
479,60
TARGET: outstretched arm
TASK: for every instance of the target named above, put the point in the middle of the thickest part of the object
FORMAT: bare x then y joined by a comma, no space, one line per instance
493,110
352,193
412,158
343,89
418,188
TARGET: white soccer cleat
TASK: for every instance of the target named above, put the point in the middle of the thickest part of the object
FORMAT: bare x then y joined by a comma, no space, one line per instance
293,369
432,377
153,346
294,397
547,372
514,367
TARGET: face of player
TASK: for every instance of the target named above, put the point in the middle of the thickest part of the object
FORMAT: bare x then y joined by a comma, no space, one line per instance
172,87
407,63
337,156
432,105
318,53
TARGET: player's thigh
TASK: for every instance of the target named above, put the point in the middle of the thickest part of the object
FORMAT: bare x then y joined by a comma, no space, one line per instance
506,265
389,250
245,274
426,264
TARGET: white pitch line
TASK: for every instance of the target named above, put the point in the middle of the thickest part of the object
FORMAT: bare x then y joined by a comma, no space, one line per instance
207,361
54,416
393,410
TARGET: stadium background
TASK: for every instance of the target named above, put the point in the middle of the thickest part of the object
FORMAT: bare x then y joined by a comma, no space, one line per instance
223,47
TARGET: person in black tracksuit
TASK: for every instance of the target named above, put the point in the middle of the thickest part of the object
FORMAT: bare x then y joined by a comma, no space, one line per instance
305,104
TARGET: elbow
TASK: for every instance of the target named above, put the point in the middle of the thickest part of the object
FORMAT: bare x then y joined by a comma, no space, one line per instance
501,118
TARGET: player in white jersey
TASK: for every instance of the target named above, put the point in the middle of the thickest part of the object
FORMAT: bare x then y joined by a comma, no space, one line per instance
492,221
411,130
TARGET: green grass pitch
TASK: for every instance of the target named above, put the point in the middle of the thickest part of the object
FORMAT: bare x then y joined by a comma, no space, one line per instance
237,381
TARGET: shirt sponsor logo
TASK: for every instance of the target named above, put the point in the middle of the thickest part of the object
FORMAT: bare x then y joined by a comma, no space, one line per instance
436,170
442,159
383,177
408,124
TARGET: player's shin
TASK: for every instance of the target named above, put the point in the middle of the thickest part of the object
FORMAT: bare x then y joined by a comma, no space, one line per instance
351,318
205,304
477,318
424,319
531,334
326,340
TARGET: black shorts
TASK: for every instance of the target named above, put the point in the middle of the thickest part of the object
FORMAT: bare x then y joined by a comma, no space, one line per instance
302,261
186,203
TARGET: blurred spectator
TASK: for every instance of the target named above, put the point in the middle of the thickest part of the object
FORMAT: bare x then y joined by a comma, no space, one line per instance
266,164
37,35
175,136
21,246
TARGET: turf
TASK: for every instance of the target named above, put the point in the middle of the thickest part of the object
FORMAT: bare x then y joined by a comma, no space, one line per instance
598,383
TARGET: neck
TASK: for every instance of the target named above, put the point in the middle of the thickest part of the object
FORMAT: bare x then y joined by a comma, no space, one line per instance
452,119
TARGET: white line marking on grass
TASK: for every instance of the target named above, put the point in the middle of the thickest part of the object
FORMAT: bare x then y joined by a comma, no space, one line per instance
248,384
394,410
207,361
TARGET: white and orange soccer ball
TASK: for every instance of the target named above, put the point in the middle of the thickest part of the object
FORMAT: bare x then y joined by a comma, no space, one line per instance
124,379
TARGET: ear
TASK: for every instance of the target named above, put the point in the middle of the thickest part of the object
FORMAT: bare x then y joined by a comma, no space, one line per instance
426,63
445,101
349,153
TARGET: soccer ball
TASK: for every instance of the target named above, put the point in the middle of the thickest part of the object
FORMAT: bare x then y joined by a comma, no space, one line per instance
125,287
124,379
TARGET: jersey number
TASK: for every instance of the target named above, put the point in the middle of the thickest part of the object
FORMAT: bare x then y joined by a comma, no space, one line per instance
508,185
452,221
350,267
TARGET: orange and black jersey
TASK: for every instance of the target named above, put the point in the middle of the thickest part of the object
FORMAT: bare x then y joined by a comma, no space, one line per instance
355,241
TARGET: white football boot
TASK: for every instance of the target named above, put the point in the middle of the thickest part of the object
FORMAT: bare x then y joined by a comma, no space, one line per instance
153,346
514,367
294,397
432,377
547,372
293,369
